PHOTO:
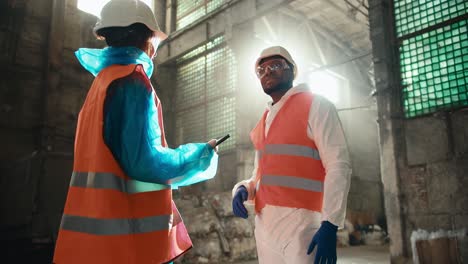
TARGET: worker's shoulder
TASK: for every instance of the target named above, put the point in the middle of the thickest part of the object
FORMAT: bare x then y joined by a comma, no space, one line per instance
136,79
139,76
322,102
317,98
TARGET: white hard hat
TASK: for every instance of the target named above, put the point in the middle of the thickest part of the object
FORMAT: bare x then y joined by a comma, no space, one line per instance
276,51
123,13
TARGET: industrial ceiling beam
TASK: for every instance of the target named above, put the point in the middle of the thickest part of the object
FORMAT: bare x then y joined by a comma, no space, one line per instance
267,24
316,43
324,32
344,12
357,8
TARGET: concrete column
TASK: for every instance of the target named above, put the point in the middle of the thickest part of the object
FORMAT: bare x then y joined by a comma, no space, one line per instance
160,13
171,12
391,137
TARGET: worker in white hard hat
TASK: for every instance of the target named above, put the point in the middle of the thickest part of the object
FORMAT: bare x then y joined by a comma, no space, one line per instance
302,170
119,207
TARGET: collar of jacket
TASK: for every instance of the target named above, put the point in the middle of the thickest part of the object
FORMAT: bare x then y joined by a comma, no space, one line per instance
302,87
95,60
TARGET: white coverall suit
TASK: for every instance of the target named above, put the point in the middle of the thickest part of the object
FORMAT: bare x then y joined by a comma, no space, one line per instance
283,234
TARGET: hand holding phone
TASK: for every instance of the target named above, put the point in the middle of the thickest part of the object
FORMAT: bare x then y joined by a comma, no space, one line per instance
221,140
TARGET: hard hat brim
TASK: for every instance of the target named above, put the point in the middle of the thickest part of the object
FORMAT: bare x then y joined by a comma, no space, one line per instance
159,34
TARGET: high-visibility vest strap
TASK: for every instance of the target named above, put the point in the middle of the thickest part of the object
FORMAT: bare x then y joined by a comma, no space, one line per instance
296,166
291,150
106,195
288,197
108,227
110,181
302,160
291,182
289,191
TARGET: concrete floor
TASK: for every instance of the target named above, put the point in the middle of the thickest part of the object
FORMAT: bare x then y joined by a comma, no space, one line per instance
364,255
358,255
18,252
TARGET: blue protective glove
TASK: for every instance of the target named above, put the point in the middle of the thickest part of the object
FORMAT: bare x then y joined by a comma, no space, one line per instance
238,202
325,240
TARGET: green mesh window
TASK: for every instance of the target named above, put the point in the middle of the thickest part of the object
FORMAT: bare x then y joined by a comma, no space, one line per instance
205,95
189,11
433,52
435,70
414,15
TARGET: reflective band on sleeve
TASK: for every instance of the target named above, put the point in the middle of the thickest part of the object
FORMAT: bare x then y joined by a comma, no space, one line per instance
116,226
103,180
292,182
292,150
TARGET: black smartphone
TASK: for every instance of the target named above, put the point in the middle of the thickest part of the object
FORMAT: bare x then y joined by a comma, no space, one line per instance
221,140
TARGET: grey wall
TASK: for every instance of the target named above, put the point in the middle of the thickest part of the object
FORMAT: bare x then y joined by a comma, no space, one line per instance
42,88
424,161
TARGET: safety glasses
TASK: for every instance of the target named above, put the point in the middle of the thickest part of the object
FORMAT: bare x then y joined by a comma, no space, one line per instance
273,66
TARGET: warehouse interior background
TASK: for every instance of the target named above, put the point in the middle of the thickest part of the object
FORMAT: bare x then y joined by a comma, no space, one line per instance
397,71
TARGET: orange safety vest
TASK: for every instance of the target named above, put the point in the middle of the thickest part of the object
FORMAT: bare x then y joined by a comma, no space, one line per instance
108,216
290,172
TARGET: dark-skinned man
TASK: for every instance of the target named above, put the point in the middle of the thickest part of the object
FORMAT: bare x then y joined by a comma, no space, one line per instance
302,171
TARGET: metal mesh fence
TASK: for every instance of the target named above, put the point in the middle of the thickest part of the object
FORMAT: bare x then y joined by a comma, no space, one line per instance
190,125
221,120
433,54
190,82
414,15
205,95
189,11
435,70
220,62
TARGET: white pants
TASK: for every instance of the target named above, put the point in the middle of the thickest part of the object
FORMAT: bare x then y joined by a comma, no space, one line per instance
284,240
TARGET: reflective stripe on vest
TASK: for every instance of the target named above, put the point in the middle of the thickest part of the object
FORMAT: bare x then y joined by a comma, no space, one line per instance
103,180
291,150
116,226
292,182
